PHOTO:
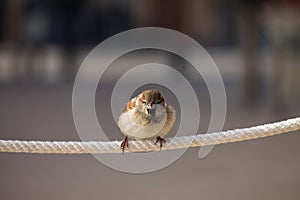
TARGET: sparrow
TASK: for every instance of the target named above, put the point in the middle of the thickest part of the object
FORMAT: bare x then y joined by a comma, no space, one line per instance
146,116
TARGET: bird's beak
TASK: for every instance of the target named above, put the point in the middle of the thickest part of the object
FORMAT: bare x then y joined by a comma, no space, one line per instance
150,108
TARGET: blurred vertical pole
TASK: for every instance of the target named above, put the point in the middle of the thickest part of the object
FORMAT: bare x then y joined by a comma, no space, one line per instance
248,23
167,14
277,83
175,21
275,28
12,32
283,29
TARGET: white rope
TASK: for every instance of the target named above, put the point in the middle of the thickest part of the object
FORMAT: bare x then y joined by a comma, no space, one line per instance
148,145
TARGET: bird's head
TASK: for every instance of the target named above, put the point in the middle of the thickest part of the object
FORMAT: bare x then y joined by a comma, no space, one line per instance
150,99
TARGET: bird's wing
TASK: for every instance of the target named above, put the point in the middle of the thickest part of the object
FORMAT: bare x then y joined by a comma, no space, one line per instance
171,118
129,105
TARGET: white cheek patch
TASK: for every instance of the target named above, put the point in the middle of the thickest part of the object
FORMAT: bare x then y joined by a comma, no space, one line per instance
138,98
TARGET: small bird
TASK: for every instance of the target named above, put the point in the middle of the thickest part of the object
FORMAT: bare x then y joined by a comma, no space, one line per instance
146,116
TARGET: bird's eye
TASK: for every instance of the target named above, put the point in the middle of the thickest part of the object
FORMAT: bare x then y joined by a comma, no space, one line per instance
158,102
144,102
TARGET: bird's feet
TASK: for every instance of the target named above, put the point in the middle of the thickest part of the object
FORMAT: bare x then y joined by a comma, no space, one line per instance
161,141
124,144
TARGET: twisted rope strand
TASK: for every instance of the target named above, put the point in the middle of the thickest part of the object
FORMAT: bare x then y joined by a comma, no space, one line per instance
100,147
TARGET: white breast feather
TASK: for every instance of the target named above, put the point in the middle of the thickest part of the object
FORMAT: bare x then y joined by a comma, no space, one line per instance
130,128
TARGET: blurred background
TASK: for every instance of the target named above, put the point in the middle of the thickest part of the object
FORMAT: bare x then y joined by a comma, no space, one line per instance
255,44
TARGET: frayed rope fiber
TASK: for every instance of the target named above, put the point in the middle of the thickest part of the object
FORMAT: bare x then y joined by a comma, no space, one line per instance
102,147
